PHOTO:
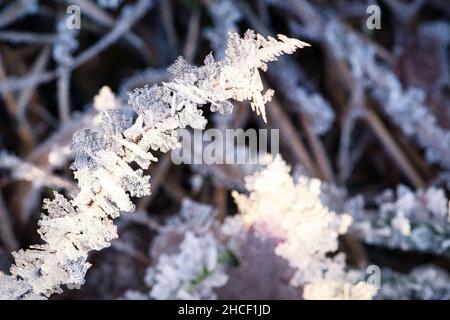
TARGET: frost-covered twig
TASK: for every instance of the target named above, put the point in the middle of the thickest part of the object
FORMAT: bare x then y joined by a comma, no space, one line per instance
129,16
109,4
279,119
73,228
26,37
426,282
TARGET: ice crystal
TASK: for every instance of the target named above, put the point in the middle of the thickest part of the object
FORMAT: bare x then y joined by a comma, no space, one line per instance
17,290
291,212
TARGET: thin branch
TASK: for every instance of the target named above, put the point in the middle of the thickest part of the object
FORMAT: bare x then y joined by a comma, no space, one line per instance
192,38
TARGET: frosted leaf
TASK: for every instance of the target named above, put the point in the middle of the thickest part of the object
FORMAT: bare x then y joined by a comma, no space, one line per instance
436,202
402,224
